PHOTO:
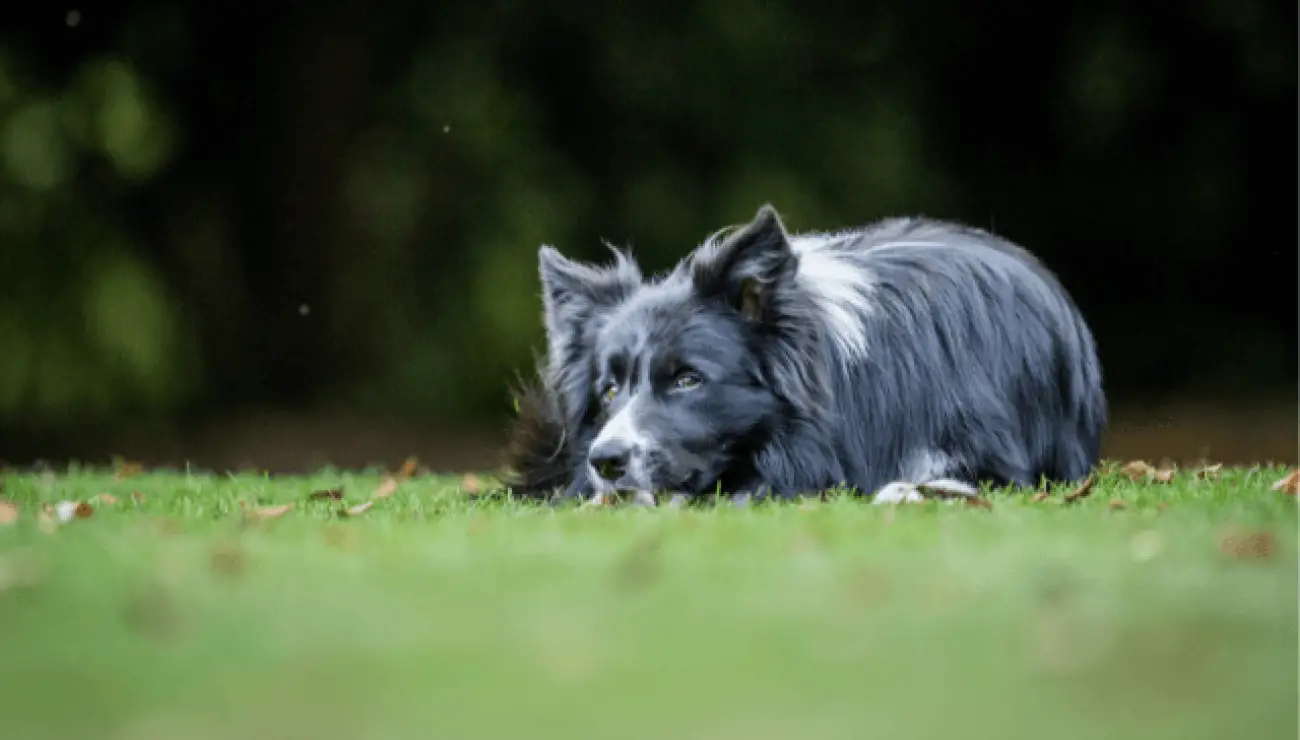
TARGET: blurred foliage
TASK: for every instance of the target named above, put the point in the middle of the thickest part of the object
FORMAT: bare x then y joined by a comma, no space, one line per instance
351,214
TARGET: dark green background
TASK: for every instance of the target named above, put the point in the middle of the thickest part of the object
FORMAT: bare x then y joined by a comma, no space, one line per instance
207,208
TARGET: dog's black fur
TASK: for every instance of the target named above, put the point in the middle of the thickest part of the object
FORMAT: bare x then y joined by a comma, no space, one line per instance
767,363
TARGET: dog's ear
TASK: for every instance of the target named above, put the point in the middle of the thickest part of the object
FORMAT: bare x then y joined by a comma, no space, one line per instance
748,266
574,294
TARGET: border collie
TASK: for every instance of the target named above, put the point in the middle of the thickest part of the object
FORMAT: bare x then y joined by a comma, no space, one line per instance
773,364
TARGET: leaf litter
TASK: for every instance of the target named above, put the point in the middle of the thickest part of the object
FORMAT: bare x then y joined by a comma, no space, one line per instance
8,512
357,510
387,487
1290,485
1083,491
265,512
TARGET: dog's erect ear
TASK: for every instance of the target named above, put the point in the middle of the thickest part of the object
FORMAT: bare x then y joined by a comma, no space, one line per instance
748,266
573,294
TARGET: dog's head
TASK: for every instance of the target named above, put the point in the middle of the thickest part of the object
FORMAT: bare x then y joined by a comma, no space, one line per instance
672,384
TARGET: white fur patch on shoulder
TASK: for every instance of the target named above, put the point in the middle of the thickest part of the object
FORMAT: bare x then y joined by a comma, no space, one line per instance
842,288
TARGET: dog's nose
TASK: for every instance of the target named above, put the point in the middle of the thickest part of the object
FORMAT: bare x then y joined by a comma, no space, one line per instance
609,460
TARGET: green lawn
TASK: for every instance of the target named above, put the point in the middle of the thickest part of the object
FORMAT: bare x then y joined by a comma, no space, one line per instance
1171,614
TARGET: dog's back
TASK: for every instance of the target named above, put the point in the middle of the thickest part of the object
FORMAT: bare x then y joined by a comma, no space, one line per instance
959,356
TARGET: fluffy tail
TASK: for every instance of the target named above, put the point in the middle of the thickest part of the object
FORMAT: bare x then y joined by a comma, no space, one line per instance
537,457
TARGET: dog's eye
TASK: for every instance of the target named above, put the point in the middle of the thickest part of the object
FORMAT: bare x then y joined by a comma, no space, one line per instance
688,380
610,392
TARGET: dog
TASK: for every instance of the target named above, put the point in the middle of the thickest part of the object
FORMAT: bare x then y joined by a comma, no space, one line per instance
770,364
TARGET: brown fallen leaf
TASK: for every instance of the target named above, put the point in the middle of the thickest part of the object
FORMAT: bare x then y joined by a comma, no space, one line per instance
1240,544
1116,504
471,484
127,469
1209,472
65,511
979,502
334,494
387,487
265,512
104,498
1083,491
408,468
1136,470
1040,497
138,497
1290,485
1163,475
357,510
228,560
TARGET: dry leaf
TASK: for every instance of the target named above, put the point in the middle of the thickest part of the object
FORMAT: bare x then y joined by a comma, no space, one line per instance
408,467
335,494
979,502
357,510
65,511
1163,475
128,469
1289,485
104,498
228,560
138,497
1083,491
1136,470
471,484
265,512
8,512
1239,544
1116,504
387,487
1040,497
1210,472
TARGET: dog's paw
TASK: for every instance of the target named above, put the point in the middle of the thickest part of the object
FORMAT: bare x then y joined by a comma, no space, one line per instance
948,488
898,492
678,500
644,498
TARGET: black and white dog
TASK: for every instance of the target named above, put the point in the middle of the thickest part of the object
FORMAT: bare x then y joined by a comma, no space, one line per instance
772,364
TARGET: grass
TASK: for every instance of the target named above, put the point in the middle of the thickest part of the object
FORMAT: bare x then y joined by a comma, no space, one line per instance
438,615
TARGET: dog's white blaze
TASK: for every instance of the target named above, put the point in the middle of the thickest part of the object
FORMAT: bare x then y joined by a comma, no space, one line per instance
842,288
621,428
